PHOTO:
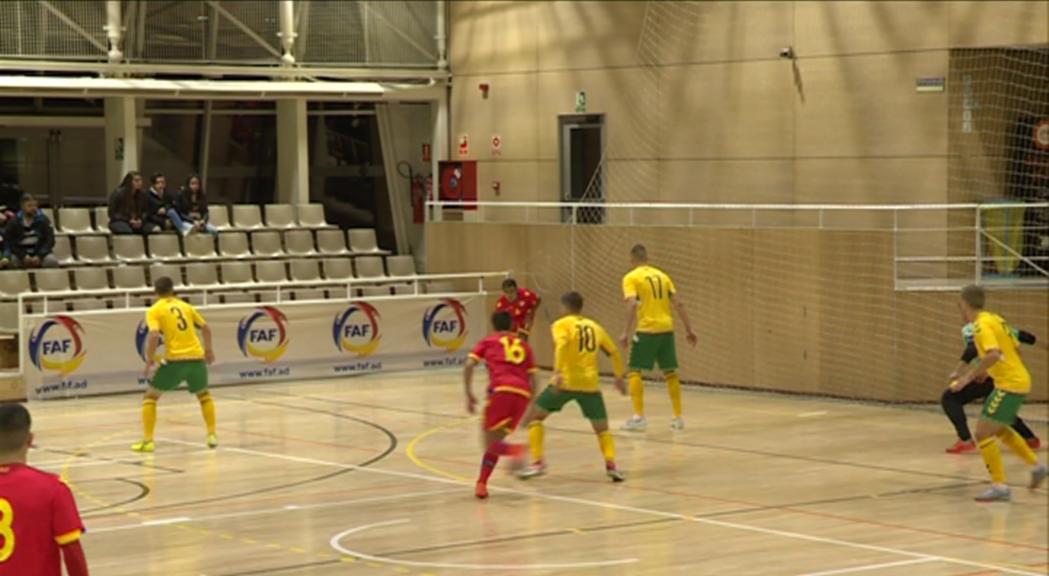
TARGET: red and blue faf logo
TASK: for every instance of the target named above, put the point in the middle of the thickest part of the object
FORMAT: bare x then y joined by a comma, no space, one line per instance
57,345
141,337
444,325
263,334
356,329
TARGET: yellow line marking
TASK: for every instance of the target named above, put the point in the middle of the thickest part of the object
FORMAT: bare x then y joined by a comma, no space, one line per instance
410,450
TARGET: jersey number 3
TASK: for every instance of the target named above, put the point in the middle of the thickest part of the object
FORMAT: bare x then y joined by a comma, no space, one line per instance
514,350
182,324
7,533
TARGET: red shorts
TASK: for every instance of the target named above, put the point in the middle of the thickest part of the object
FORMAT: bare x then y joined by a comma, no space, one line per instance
505,410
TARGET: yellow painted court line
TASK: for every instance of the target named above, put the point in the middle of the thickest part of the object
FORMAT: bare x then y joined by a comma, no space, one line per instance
410,450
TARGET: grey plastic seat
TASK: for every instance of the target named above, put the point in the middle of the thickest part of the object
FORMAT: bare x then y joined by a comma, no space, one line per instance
299,243
202,274
75,221
52,280
280,216
305,270
237,273
88,304
370,267
363,241
368,291
172,271
312,216
164,247
338,268
440,287
246,216
308,294
63,250
102,219
13,283
93,249
218,216
400,265
131,277
129,248
270,271
51,217
403,289
234,245
331,242
200,246
266,244
237,298
8,317
94,278
194,298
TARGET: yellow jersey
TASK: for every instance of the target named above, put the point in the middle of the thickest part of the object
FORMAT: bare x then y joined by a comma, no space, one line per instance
577,341
652,288
990,332
176,320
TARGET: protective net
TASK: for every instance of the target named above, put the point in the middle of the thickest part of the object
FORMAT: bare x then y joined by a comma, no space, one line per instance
856,303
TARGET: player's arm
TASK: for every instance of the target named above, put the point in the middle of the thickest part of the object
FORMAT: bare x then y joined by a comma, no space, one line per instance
562,339
153,339
472,361
682,311
982,339
612,351
75,560
205,332
530,367
67,529
530,318
630,298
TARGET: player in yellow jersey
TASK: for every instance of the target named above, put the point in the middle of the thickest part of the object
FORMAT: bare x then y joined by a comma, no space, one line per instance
651,298
185,360
577,341
1000,358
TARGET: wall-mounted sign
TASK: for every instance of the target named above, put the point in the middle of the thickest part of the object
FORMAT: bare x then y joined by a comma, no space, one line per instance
464,145
497,145
580,102
936,84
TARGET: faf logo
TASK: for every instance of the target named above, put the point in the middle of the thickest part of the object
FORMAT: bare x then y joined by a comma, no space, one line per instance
141,336
356,329
444,325
57,345
263,334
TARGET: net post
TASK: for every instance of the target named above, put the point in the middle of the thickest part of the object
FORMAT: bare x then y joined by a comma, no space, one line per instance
22,346
690,219
895,248
820,213
978,229
575,215
631,215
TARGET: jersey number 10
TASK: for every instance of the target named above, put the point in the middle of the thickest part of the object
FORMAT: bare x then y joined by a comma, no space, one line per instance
587,338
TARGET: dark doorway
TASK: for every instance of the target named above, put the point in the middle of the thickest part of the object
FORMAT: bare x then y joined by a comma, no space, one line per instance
582,141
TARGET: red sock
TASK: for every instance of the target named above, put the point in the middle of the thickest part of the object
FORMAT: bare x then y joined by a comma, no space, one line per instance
501,448
487,465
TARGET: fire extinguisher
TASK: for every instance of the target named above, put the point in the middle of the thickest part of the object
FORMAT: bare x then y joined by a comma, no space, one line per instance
419,198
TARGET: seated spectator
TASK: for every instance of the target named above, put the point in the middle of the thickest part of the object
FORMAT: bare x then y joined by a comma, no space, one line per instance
191,208
29,239
159,204
10,195
127,207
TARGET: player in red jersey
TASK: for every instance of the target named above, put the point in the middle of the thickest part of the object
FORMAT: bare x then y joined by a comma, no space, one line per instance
39,522
521,304
511,375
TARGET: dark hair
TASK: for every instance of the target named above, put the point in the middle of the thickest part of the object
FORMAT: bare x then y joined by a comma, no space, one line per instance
14,427
573,301
502,321
509,283
125,184
639,253
974,296
156,176
190,179
164,286
27,197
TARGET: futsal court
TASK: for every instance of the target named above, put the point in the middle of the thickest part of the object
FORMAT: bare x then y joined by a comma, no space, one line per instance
374,475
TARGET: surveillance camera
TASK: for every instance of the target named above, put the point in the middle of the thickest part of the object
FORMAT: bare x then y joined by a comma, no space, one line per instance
787,52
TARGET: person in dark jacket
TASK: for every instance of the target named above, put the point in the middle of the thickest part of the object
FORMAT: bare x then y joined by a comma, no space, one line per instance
127,207
191,208
29,239
159,203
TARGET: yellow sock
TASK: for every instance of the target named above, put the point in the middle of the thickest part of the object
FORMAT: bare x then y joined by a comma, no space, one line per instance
207,408
992,457
608,445
149,418
674,388
637,393
1018,445
535,440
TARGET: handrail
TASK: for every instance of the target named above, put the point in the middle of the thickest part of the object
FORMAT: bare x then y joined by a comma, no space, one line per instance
679,206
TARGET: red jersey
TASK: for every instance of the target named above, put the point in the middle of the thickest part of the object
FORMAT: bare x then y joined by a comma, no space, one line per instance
509,360
37,515
521,309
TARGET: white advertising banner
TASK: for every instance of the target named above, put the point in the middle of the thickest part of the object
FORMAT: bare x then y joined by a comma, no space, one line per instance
101,353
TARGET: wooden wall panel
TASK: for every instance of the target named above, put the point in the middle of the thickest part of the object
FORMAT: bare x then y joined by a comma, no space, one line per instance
492,37
974,24
738,110
726,181
697,32
870,180
509,111
867,106
581,35
837,28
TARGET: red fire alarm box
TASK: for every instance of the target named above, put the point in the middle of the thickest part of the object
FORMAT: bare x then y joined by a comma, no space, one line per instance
459,182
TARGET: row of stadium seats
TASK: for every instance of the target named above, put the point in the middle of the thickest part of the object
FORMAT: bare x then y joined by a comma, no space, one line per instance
226,282
245,217
94,250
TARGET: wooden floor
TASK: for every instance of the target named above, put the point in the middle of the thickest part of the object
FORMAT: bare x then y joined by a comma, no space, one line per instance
374,475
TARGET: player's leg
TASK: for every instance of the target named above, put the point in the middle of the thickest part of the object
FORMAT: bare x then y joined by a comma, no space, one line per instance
666,358
195,374
166,378
550,401
593,407
642,357
953,404
999,413
1026,433
503,413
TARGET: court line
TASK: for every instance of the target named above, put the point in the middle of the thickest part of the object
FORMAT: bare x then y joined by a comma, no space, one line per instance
637,510
409,451
868,567
335,543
